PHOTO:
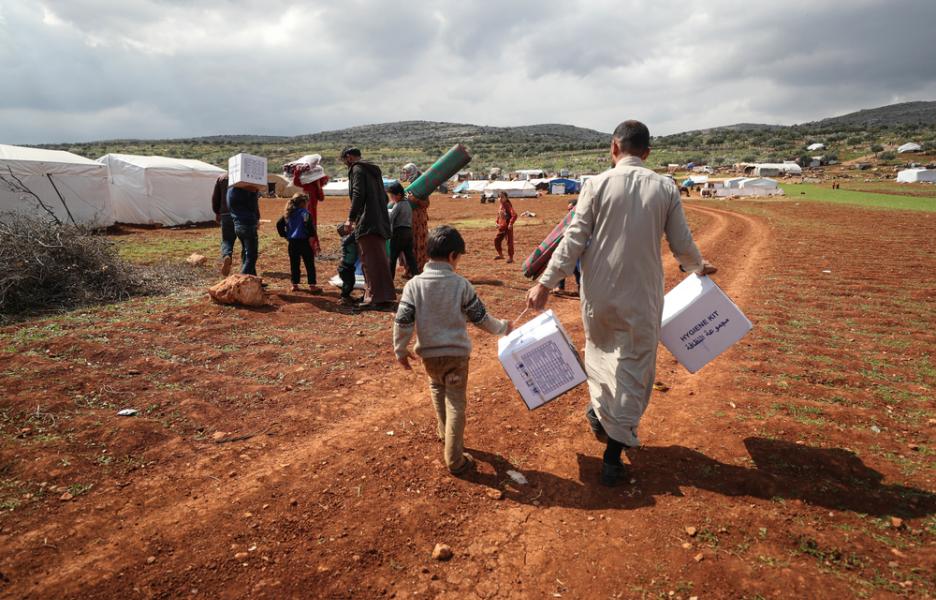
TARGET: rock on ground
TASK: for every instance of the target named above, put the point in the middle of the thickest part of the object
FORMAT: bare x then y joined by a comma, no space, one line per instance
238,289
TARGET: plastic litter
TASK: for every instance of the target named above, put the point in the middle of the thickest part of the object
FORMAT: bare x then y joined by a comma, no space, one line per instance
128,412
518,477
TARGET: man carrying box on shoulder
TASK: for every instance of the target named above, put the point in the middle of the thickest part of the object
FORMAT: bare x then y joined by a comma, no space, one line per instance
620,218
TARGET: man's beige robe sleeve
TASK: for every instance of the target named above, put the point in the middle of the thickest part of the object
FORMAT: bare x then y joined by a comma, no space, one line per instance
680,239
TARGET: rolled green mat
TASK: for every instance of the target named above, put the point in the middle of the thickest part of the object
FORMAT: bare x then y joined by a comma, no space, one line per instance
441,170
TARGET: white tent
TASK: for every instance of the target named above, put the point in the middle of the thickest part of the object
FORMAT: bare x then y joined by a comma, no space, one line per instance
917,175
37,182
148,190
473,186
758,182
734,182
530,173
816,146
336,187
909,147
514,189
774,169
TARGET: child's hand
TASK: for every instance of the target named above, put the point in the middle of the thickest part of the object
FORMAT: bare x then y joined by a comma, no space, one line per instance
510,327
404,360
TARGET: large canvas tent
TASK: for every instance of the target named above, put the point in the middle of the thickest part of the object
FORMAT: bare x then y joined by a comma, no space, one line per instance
474,186
917,175
514,189
151,190
52,182
909,147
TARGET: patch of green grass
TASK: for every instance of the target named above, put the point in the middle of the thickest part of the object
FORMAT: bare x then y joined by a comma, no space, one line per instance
157,248
77,489
867,199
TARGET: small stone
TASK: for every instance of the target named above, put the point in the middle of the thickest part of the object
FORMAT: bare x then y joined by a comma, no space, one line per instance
241,556
875,429
293,502
495,494
893,564
691,531
896,522
356,558
698,557
196,259
66,497
898,553
248,515
442,552
232,474
218,436
686,545
693,598
150,560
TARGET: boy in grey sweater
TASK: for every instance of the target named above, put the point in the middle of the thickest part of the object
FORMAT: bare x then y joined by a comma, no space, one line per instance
436,305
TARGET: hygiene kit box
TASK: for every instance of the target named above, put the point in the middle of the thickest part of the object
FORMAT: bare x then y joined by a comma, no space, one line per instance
700,322
247,171
540,360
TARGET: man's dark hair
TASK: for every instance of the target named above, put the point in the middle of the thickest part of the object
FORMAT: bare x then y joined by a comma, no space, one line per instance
350,151
395,188
632,137
443,240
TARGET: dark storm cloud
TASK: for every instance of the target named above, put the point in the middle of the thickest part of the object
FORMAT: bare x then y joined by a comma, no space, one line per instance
89,69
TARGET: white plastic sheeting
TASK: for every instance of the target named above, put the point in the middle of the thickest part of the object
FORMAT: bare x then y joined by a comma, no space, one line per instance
909,147
336,187
514,189
149,190
81,182
917,175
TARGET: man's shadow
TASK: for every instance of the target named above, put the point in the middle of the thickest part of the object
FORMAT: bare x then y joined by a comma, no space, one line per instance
829,477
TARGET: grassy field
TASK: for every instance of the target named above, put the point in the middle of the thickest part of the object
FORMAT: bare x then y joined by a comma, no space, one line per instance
866,199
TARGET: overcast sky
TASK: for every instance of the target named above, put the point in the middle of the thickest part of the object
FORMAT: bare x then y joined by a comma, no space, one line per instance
80,70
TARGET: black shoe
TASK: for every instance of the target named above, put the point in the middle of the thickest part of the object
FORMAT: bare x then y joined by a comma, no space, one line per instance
600,434
612,475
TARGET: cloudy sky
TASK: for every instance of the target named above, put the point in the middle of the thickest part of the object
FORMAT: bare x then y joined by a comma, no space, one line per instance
80,70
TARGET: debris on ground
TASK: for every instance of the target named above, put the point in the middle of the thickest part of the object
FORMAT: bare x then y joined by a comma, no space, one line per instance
442,552
661,387
246,290
196,260
128,412
518,477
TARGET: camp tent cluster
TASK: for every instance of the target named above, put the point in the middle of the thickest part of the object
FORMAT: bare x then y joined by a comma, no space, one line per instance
919,175
116,188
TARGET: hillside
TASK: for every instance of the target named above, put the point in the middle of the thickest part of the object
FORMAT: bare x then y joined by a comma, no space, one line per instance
906,113
554,146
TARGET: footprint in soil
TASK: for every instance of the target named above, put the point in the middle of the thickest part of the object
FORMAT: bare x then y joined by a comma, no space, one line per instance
834,478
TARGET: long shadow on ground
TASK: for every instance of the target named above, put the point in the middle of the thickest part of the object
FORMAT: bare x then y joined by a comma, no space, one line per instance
830,477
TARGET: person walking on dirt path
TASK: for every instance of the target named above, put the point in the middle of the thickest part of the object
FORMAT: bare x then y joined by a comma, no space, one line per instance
506,217
371,223
436,306
223,218
401,231
244,205
620,218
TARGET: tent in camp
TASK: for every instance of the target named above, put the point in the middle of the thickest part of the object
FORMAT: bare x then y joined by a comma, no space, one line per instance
51,182
816,146
526,174
773,169
759,182
339,187
336,187
909,147
150,190
562,185
917,175
514,189
734,182
475,186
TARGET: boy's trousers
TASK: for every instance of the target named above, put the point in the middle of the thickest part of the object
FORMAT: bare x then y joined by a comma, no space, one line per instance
448,383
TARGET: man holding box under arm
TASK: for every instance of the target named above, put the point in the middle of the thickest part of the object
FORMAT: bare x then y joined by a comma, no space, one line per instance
620,218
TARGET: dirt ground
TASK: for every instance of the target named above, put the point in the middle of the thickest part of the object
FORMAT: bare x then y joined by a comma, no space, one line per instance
281,452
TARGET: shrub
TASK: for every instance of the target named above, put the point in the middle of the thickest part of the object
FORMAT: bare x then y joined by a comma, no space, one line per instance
54,265
877,148
888,156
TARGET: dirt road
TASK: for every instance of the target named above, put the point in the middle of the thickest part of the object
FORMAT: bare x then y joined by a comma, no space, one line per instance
338,489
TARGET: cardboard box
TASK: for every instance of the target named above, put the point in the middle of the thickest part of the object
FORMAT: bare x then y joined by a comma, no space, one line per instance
540,360
247,171
700,322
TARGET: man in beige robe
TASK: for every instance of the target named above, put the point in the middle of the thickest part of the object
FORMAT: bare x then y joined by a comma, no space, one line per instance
620,219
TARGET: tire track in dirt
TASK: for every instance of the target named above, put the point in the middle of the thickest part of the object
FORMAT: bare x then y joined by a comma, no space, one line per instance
210,505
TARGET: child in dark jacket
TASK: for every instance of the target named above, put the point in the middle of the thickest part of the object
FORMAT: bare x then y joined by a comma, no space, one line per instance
347,268
299,228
